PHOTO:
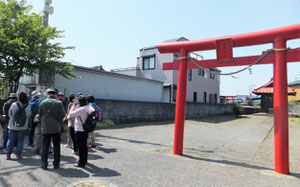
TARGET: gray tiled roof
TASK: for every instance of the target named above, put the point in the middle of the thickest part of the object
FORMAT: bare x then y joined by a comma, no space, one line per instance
176,39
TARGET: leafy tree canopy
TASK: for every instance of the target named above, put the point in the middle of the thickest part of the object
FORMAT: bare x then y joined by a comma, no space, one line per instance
25,44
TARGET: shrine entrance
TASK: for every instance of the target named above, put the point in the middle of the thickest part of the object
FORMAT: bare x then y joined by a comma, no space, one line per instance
279,56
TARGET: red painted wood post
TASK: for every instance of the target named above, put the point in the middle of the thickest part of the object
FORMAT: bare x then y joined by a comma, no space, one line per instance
180,104
281,128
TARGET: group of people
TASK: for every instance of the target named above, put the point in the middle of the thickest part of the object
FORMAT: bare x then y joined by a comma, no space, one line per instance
43,118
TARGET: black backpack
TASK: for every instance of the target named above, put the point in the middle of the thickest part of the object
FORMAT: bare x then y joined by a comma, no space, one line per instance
20,116
91,122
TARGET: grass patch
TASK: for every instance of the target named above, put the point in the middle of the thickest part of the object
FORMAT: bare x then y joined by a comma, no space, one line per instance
270,133
294,122
105,124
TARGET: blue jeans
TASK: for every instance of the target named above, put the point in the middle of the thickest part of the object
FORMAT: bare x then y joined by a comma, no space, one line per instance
14,136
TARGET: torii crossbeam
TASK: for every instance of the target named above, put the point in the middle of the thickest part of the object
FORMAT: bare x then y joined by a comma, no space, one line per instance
223,45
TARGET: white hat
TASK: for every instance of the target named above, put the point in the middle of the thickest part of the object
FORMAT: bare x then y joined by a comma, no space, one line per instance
46,92
35,93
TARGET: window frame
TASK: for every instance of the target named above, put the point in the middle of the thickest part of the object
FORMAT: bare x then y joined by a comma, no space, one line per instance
216,98
211,99
201,72
190,74
212,74
195,99
205,97
149,57
174,92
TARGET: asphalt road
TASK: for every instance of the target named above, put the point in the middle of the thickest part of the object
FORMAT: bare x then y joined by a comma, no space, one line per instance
218,151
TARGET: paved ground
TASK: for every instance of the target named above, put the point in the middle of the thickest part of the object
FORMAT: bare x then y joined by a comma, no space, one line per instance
218,151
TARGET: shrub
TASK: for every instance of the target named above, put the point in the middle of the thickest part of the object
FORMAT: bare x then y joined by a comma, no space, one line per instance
237,109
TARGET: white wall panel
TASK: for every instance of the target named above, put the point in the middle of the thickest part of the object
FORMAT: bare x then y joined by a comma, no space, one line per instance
111,86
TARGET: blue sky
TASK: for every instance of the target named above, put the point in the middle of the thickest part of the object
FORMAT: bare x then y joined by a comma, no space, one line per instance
110,33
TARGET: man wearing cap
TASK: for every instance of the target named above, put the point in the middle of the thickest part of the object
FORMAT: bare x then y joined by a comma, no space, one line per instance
11,99
34,111
51,113
64,100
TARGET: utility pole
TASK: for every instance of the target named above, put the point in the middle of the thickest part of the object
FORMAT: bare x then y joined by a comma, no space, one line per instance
251,87
42,78
47,10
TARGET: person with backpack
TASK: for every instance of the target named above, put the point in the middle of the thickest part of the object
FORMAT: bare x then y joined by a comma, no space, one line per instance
92,102
11,99
19,114
51,114
81,115
34,111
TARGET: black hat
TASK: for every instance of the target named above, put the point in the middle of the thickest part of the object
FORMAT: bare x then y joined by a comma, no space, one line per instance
52,91
81,100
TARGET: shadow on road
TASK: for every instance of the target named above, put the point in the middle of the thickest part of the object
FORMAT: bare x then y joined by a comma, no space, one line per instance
295,175
132,141
219,119
137,124
70,173
100,172
240,164
106,150
209,119
94,156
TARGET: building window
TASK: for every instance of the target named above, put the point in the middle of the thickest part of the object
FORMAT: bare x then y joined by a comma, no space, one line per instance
201,72
176,55
212,74
149,62
195,97
211,98
216,98
174,92
204,97
190,74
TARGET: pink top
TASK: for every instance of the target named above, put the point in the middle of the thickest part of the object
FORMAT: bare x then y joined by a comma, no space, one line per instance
80,114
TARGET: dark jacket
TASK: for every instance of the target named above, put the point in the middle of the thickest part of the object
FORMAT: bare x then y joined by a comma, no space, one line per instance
6,107
51,113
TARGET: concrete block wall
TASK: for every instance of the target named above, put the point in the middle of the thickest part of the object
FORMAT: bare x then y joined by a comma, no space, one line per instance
134,111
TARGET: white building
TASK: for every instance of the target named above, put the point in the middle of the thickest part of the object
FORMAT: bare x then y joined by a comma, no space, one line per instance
103,85
203,86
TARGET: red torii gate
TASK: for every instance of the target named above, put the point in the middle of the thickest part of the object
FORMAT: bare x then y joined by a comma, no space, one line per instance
223,45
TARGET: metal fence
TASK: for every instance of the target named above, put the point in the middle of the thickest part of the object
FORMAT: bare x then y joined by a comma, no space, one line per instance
7,87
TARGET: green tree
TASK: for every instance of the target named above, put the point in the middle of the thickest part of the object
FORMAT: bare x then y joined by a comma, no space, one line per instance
26,45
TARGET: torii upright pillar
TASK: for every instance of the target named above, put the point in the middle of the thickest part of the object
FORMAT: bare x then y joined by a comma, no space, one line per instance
281,125
180,104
